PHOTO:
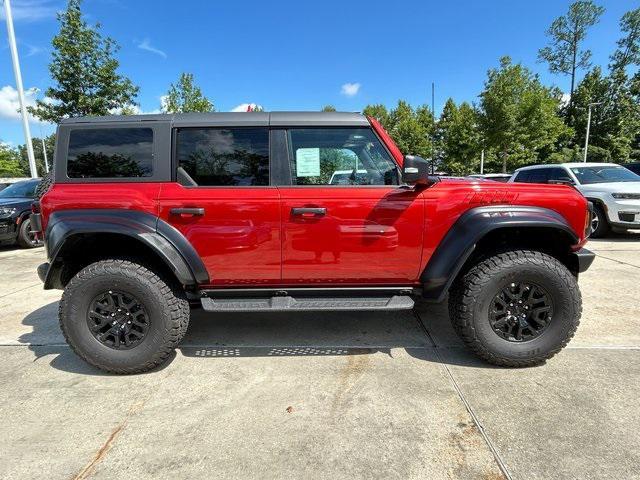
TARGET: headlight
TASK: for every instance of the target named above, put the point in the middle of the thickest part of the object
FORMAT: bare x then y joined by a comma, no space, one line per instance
6,211
626,196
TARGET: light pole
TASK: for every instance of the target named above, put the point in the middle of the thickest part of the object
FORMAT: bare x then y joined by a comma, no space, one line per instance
18,75
586,140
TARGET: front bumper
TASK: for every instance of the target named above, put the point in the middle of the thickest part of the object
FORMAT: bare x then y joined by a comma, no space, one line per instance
8,229
584,258
624,213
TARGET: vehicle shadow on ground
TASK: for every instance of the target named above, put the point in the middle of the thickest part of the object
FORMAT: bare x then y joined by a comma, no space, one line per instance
214,336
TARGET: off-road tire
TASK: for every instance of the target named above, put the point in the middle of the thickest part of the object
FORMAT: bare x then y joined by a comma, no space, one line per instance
23,235
44,185
167,309
473,292
603,227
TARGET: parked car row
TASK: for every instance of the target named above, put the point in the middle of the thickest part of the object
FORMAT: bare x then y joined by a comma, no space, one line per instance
614,190
15,212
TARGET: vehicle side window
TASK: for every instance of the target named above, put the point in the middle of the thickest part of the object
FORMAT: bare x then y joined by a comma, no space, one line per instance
223,156
110,153
539,175
558,174
339,156
523,177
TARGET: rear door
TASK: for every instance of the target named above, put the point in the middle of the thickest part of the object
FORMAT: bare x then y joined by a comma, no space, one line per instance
345,218
223,203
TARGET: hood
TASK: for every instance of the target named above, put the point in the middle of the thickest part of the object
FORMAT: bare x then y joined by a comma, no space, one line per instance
611,187
16,202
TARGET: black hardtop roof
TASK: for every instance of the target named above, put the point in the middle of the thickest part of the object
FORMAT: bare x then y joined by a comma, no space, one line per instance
284,119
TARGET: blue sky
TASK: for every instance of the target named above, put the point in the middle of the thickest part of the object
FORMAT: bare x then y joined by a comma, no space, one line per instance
298,55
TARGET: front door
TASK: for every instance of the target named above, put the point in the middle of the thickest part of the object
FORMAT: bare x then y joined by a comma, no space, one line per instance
345,218
223,204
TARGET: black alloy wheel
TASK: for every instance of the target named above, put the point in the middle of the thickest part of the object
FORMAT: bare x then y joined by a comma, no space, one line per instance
118,320
520,311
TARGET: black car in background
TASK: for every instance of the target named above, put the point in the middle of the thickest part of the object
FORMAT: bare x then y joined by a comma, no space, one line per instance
15,210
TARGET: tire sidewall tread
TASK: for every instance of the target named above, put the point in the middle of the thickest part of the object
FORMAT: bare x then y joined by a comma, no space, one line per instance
474,290
167,308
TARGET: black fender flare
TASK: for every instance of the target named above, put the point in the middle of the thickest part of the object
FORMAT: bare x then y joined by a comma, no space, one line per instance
460,241
165,240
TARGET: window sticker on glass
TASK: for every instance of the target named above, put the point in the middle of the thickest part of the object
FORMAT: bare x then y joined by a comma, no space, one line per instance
308,162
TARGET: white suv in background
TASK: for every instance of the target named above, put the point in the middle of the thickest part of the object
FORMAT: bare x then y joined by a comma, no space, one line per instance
613,190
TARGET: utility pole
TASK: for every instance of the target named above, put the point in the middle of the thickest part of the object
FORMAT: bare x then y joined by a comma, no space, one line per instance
586,140
44,151
482,162
18,75
44,154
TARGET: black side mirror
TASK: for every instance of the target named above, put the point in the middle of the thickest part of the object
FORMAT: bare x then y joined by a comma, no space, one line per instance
415,171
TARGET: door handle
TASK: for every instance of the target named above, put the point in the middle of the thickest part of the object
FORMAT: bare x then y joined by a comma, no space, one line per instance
187,211
309,211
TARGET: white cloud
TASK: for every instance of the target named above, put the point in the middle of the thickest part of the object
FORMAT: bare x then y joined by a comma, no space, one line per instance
32,50
135,110
350,89
564,100
31,10
244,107
10,105
146,45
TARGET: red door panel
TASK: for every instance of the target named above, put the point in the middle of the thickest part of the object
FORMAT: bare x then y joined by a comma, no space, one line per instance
369,235
237,237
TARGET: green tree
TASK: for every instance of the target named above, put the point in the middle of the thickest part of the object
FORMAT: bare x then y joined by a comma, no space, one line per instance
186,96
628,51
9,162
615,122
84,72
564,54
519,116
409,133
458,136
379,112
328,108
36,142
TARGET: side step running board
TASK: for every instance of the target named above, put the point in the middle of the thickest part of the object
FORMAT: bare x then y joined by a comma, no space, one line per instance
291,304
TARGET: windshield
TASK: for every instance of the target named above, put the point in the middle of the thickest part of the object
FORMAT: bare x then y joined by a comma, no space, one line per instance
587,175
20,190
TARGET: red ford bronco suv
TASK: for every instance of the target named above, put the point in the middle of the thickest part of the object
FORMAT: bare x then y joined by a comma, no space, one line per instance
148,216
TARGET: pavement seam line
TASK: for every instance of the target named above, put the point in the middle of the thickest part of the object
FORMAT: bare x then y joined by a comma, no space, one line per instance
618,261
450,347
19,290
496,456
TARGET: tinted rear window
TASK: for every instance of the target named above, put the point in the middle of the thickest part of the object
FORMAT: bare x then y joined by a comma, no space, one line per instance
223,156
110,153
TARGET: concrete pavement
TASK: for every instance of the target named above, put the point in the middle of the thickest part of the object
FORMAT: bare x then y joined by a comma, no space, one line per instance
355,395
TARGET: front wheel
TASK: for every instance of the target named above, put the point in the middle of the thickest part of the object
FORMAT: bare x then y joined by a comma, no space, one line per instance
516,309
599,224
121,317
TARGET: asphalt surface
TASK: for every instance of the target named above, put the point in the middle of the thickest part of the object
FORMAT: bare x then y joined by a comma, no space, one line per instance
340,395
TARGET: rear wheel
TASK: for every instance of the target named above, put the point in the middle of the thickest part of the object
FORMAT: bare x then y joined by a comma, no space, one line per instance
26,237
121,317
599,224
517,308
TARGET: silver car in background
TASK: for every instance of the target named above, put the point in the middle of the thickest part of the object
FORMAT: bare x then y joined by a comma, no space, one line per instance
613,189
